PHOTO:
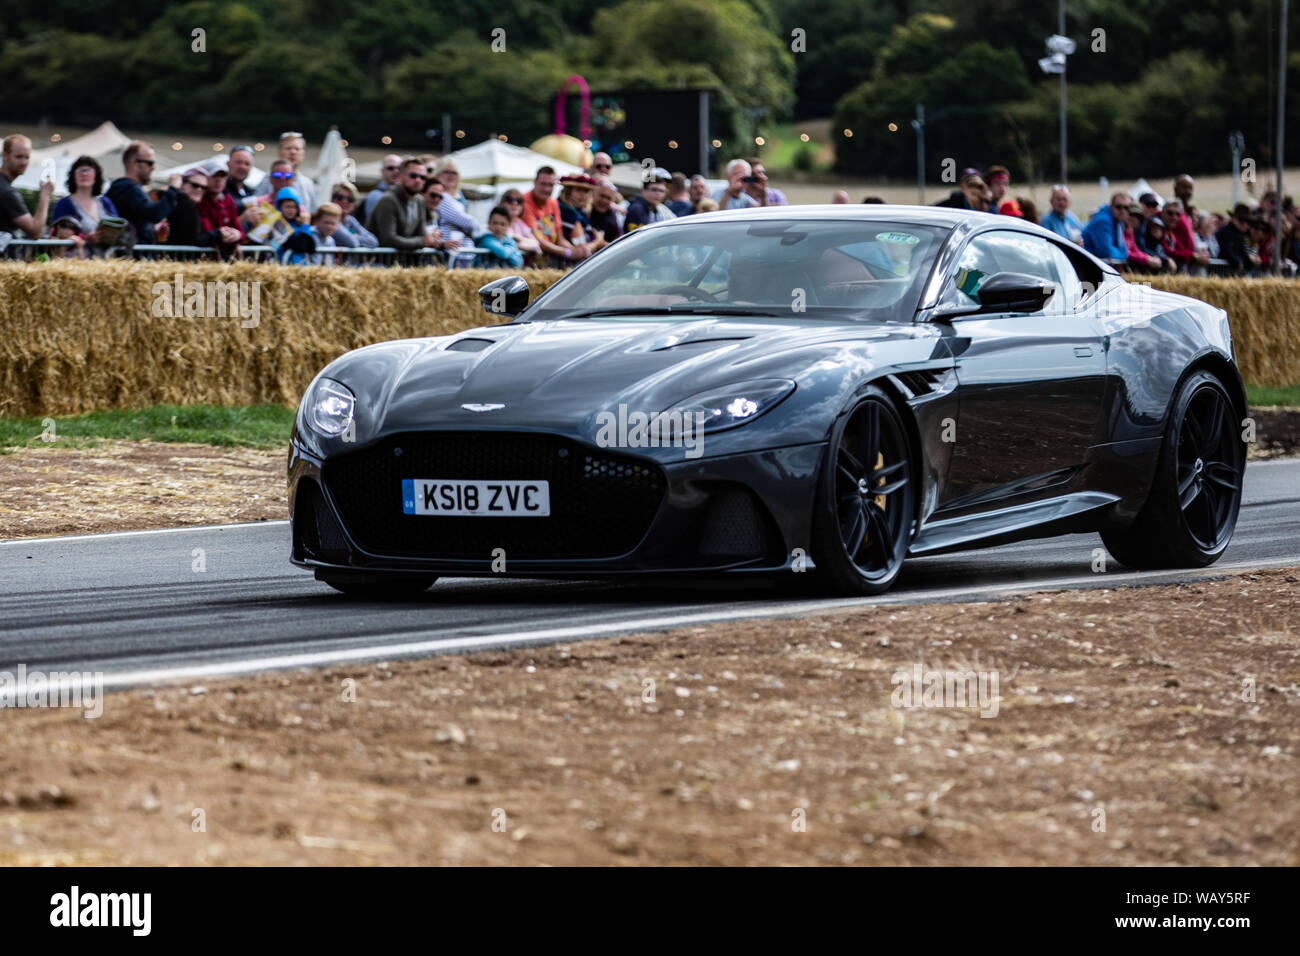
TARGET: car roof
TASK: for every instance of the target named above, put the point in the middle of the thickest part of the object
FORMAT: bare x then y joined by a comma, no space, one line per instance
962,222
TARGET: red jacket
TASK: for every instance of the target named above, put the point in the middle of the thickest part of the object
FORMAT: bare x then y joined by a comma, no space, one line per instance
1179,242
218,211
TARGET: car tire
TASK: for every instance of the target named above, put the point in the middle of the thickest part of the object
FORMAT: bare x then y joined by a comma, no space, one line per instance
379,586
1191,510
866,499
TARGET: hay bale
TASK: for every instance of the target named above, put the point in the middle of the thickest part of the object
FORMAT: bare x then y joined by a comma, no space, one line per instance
1265,319
84,335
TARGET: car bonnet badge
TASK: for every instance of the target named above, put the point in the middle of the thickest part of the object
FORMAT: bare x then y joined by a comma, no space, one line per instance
482,406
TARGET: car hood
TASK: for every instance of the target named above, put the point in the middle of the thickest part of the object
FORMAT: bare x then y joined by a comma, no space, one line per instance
558,374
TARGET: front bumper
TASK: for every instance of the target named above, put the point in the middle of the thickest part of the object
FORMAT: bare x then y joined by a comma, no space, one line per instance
738,513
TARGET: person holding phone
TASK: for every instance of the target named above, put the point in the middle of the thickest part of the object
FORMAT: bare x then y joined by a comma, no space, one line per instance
14,217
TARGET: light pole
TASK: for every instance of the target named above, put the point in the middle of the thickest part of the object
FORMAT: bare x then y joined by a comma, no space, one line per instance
1059,46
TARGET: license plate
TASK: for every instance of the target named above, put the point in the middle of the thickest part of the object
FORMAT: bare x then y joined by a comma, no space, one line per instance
456,497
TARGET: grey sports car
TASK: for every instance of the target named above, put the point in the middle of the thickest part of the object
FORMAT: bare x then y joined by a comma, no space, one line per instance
823,389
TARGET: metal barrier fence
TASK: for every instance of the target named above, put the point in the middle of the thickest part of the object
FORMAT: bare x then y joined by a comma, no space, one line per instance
28,250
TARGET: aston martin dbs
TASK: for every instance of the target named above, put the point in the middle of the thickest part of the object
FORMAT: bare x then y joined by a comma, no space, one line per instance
821,389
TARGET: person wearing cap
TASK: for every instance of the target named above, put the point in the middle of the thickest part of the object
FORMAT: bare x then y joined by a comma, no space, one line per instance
68,227
1061,220
575,204
648,207
1149,240
217,212
1104,234
1011,207
293,150
733,195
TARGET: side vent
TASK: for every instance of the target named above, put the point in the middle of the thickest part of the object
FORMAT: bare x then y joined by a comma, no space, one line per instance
920,382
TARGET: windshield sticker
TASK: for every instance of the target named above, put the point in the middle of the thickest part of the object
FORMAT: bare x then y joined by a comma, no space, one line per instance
905,238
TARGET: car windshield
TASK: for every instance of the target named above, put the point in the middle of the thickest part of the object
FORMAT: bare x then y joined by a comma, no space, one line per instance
831,269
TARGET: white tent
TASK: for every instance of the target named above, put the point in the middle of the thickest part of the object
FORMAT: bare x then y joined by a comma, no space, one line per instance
104,141
494,162
1140,189
334,165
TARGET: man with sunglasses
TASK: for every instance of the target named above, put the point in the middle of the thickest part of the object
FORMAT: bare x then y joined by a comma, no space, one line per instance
132,202
398,218
388,171
601,166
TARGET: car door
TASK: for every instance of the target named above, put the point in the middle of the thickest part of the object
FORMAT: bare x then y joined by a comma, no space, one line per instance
1030,385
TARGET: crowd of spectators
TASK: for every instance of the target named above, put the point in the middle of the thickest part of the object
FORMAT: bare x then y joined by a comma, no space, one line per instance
418,205
1146,235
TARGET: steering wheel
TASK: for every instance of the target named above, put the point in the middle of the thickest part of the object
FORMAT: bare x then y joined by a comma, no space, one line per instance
690,291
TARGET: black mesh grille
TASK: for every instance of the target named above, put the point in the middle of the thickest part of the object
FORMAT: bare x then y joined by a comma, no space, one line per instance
735,527
601,504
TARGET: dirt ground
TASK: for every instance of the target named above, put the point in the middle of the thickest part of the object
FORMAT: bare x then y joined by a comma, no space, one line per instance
127,486
1132,726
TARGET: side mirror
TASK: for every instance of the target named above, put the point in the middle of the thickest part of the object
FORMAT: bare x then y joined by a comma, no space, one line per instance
504,297
1014,292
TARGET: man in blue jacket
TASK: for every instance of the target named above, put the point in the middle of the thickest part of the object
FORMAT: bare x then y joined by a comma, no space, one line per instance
1104,234
132,202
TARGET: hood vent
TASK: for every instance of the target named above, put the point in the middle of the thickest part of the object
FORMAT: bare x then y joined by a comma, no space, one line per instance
469,345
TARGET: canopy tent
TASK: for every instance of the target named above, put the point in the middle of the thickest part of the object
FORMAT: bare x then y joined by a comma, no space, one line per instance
333,166
491,162
103,142
1140,189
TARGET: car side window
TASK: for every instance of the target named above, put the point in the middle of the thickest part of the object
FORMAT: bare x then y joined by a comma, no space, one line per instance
1010,251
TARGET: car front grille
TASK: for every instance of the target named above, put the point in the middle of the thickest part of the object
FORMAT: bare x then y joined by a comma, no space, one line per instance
601,504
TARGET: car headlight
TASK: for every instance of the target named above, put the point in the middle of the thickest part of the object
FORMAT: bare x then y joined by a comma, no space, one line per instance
733,405
330,407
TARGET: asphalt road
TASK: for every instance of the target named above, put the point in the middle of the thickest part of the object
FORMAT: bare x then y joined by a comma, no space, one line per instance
133,606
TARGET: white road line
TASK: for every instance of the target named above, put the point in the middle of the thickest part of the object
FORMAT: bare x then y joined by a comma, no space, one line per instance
130,534
428,645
